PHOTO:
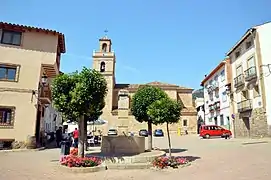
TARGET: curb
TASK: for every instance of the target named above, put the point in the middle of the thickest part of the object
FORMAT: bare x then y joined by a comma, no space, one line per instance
22,150
82,169
129,166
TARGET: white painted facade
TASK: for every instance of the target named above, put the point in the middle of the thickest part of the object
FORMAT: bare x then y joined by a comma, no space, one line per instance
264,32
52,119
215,92
199,104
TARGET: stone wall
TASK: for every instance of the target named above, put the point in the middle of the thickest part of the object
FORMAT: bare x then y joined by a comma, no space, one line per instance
255,126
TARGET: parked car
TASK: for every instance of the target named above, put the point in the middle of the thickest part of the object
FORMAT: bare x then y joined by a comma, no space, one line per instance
143,132
112,132
158,132
207,131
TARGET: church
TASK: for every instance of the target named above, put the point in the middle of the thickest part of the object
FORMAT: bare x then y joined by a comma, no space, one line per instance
104,60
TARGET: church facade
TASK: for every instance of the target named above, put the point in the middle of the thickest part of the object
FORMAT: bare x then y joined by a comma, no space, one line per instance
104,60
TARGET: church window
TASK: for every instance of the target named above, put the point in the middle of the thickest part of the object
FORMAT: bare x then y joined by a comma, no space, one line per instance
104,47
102,67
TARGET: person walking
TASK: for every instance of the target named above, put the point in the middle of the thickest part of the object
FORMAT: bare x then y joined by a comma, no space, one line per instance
75,135
58,136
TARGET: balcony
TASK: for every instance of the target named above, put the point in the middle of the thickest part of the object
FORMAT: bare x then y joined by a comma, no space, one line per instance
239,81
250,73
244,106
45,95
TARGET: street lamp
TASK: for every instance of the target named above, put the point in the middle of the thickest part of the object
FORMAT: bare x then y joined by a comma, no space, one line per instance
44,79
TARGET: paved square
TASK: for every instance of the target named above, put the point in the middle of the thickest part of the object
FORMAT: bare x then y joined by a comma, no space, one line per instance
221,159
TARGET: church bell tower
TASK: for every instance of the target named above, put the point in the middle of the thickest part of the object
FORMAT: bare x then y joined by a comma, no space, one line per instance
104,61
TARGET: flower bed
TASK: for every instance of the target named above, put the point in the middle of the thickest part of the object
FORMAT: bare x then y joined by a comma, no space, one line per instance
74,161
165,161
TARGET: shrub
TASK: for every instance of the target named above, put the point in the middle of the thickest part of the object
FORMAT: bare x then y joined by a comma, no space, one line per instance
74,161
164,162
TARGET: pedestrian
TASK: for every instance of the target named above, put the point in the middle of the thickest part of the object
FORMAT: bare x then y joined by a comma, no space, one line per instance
58,136
75,135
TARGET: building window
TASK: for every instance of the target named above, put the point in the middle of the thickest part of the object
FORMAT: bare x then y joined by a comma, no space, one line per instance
102,67
222,123
251,62
248,44
222,75
239,70
224,96
8,72
185,122
256,91
237,54
6,116
11,38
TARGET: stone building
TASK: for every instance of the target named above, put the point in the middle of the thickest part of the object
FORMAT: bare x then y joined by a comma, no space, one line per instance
104,60
250,60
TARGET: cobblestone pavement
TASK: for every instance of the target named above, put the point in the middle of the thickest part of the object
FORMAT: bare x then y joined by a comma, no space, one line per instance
236,159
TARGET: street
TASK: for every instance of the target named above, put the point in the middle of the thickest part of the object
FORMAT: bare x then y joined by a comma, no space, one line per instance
212,159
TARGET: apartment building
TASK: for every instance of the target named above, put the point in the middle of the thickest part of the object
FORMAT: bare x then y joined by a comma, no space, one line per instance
28,57
216,101
250,60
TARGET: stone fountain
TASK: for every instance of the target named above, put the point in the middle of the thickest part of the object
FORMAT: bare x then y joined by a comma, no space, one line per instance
123,144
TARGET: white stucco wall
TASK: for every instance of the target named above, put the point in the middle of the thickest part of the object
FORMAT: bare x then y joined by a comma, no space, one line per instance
52,119
222,98
264,33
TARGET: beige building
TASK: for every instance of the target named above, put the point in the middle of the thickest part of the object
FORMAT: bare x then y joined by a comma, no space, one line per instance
26,54
104,60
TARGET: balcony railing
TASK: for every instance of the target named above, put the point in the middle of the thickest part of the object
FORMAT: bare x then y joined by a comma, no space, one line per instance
239,81
245,105
250,73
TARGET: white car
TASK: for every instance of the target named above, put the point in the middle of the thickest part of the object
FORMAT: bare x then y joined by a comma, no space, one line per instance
112,132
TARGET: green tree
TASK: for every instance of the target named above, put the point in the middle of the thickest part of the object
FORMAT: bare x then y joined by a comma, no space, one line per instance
79,95
141,100
166,111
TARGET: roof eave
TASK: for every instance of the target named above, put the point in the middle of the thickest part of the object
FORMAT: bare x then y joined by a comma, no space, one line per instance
249,31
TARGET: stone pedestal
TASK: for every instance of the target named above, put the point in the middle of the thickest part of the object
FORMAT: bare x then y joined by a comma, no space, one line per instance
123,112
122,145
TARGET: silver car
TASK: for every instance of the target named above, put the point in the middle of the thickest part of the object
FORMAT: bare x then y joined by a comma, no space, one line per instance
112,132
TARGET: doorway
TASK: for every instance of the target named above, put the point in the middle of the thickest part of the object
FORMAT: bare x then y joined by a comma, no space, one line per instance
215,118
37,133
247,126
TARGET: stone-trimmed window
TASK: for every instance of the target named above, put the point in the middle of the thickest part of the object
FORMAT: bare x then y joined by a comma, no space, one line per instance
9,72
11,37
7,115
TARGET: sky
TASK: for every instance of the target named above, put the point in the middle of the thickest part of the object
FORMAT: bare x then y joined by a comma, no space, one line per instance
171,41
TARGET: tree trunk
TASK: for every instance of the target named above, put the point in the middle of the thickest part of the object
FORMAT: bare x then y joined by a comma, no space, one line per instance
149,135
169,143
85,134
81,124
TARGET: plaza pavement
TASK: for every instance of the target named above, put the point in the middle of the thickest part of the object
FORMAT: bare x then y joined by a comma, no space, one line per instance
234,159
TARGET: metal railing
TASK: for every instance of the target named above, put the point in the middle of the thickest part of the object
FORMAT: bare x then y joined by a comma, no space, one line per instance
245,105
239,80
250,73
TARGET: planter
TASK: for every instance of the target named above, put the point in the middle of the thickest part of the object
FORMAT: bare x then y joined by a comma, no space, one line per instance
83,169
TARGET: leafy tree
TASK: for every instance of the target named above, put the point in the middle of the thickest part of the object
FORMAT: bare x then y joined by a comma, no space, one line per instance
166,111
80,95
141,100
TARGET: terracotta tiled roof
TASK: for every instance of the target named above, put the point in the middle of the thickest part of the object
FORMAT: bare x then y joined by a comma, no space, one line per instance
61,38
155,83
189,109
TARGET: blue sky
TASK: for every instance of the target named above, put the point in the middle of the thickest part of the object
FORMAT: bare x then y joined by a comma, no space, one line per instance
173,41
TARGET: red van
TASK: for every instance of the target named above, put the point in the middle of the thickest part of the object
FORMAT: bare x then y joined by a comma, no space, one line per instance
207,131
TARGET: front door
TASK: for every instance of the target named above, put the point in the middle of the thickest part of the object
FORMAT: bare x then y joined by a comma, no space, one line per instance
247,125
37,135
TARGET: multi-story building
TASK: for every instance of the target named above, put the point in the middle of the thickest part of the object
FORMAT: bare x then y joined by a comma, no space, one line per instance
217,103
28,56
250,60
